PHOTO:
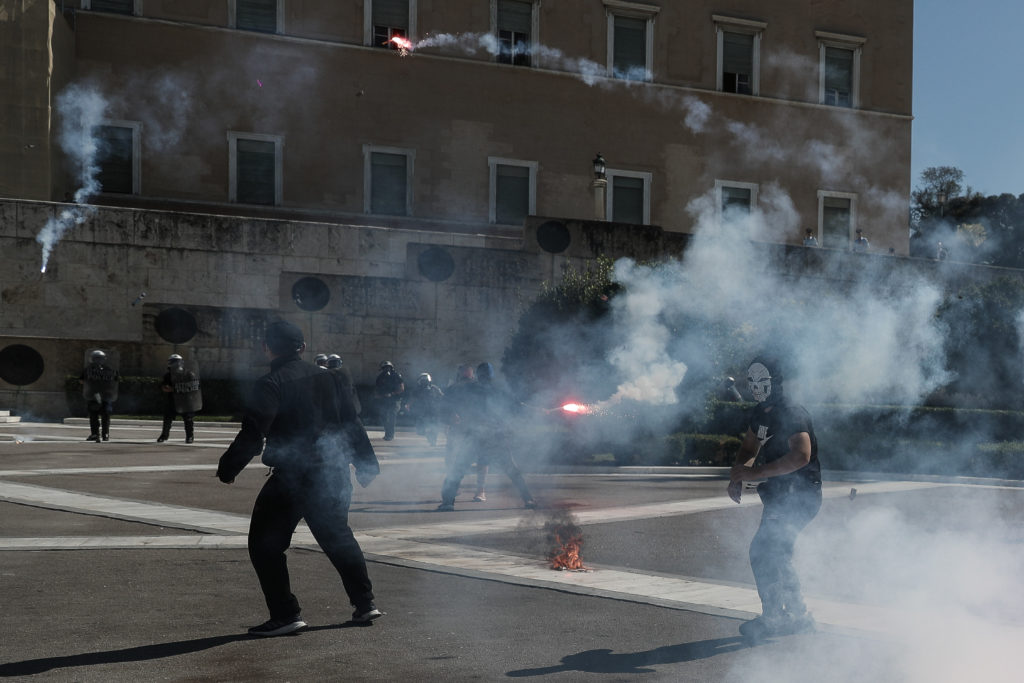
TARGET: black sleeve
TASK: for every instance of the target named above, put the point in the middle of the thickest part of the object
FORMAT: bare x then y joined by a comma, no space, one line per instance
255,425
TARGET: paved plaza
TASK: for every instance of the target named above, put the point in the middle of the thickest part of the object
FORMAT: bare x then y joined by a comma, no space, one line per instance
127,560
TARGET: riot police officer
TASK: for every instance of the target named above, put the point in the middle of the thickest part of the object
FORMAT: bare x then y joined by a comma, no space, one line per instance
182,396
389,388
99,381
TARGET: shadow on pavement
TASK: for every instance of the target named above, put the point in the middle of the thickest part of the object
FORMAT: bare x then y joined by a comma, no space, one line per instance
31,667
604,662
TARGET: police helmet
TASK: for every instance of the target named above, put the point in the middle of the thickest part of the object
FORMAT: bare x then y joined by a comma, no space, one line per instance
333,361
174,359
424,379
485,372
321,359
386,364
97,356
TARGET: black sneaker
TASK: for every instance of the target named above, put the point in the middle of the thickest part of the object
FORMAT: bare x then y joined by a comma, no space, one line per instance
764,627
106,437
189,439
366,614
445,507
278,627
93,437
161,438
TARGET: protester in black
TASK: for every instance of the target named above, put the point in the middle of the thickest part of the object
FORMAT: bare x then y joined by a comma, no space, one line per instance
780,440
312,437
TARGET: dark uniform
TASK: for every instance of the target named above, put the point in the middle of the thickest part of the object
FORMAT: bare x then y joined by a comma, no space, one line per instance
791,501
477,413
99,382
424,404
312,437
181,396
389,388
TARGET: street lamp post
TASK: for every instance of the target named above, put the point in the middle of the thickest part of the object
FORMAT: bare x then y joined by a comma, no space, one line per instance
942,197
600,186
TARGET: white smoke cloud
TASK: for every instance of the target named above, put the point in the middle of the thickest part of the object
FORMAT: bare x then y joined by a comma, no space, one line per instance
81,108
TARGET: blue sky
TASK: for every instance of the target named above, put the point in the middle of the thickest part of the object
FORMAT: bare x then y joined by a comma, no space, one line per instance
968,97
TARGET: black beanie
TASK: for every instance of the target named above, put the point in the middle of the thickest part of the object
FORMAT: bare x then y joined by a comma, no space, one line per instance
283,338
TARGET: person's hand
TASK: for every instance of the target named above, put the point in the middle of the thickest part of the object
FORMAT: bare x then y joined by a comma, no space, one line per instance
738,473
364,478
735,490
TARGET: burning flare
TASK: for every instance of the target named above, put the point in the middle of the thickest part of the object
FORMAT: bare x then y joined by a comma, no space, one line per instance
403,44
576,408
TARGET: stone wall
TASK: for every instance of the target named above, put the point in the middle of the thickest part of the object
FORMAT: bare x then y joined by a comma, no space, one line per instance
424,300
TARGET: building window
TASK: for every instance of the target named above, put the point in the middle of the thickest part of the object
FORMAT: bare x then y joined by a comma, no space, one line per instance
387,176
130,7
629,197
735,200
266,16
254,168
515,22
630,39
837,218
739,54
387,19
839,70
513,190
117,157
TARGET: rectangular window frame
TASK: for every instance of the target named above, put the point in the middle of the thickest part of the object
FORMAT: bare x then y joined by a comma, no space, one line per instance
725,24
841,41
534,37
136,128
233,17
410,164
492,165
647,178
278,140
720,186
368,27
136,7
822,195
632,10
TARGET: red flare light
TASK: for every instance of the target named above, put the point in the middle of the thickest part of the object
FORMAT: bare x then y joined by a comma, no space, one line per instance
575,408
402,43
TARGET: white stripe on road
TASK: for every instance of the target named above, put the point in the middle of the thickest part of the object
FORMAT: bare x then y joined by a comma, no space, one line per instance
405,545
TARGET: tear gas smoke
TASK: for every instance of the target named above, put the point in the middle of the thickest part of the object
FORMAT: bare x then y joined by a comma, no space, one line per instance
81,108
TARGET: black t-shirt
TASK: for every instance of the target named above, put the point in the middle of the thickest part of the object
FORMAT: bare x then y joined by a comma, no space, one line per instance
773,424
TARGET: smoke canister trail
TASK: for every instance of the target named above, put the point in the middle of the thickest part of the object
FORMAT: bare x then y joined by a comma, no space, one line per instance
81,109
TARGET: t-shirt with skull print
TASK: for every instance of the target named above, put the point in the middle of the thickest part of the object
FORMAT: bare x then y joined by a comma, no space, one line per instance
773,424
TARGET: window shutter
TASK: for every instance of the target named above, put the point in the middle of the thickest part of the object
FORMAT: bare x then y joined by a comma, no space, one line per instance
255,163
627,199
515,15
115,6
738,53
512,194
838,72
836,222
388,183
115,159
630,44
391,13
256,15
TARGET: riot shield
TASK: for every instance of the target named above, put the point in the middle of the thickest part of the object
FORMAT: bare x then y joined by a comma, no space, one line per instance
100,376
188,397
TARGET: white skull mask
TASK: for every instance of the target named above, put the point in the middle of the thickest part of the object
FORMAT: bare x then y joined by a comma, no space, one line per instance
760,382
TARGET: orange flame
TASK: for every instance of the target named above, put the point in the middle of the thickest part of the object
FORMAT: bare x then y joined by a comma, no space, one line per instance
575,408
568,541
404,44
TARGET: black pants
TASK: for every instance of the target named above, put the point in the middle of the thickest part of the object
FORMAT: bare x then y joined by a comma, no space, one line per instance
388,413
99,416
322,499
470,448
187,418
787,510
